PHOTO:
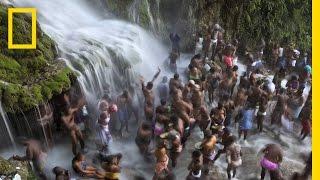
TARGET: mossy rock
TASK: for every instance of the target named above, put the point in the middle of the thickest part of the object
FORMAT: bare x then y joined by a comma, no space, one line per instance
144,18
33,76
9,166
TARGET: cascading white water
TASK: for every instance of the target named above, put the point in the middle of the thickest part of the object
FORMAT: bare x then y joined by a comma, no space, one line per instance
102,51
7,125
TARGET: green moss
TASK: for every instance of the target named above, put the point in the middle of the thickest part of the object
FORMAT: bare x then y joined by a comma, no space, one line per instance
28,77
143,14
9,166
119,8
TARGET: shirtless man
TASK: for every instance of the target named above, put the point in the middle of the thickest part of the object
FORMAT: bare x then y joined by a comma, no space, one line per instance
186,91
162,118
34,153
123,102
273,156
197,99
280,107
182,109
173,57
255,92
207,149
143,138
226,140
244,82
175,83
68,120
213,79
203,118
149,95
234,154
229,106
262,112
195,74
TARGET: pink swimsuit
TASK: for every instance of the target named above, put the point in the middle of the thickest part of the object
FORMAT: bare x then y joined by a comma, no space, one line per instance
271,166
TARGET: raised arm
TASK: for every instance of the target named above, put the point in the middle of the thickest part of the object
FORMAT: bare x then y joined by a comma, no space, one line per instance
156,75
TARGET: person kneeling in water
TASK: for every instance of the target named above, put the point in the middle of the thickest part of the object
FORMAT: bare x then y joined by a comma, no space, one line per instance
81,167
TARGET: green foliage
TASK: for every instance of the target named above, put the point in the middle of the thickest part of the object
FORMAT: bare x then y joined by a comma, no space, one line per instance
277,21
28,77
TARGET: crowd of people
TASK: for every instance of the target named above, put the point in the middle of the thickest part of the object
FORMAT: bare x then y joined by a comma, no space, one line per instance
215,98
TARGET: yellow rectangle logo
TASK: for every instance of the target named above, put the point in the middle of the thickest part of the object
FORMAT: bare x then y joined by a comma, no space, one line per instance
33,12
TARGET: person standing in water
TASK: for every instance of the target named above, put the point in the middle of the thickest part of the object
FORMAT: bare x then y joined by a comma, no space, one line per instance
123,102
207,148
175,41
163,89
245,121
273,156
234,154
69,122
103,137
149,96
143,138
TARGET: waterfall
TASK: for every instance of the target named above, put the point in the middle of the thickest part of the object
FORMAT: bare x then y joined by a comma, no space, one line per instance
133,14
108,54
5,119
135,10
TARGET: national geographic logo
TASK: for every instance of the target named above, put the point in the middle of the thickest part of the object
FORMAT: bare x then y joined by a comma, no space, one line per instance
33,13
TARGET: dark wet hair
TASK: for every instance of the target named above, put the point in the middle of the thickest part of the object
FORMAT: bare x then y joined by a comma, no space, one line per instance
220,105
197,56
212,70
235,68
174,119
150,85
163,102
190,66
176,76
226,130
125,93
106,97
103,116
203,78
294,77
196,154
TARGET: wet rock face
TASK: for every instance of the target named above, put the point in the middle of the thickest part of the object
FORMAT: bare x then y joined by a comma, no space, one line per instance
10,167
